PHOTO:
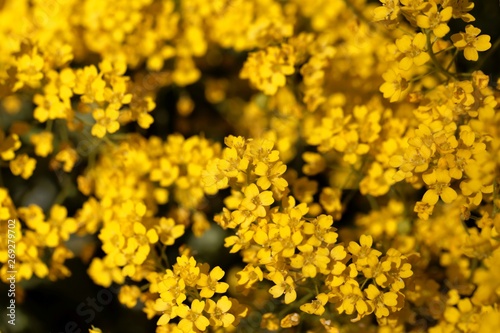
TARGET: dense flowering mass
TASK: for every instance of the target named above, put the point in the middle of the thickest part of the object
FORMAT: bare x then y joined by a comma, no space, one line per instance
353,166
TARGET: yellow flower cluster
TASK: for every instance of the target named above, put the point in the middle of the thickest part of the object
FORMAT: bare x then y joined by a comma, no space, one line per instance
358,184
126,187
297,253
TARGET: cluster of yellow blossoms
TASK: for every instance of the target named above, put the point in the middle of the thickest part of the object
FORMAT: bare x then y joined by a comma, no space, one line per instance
360,184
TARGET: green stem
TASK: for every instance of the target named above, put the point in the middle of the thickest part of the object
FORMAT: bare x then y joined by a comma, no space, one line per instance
164,255
435,61
474,265
48,126
108,141
445,50
62,194
373,202
63,132
296,304
83,120
249,170
452,60
360,175
418,77
364,283
145,286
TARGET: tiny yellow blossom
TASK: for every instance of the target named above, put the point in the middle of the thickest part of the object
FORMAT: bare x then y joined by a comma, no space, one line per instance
192,317
106,121
29,70
43,143
438,182
435,20
413,51
23,166
283,286
8,145
128,295
219,315
394,86
317,306
470,42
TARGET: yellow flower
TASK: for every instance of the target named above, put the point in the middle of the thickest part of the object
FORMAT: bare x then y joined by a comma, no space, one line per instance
61,84
49,107
314,163
321,231
330,201
352,299
106,121
128,295
317,306
240,240
461,9
60,226
117,95
470,42
90,85
413,51
270,322
192,317
348,143
286,241
255,201
363,254
138,243
283,286
210,283
438,182
249,276
394,86
104,272
166,310
487,279
29,70
393,268
168,231
166,172
219,315
435,20
172,289
311,260
185,71
270,174
389,11
267,69
290,320
384,303
43,143
66,155
23,166
8,145
423,209
187,268
7,209
304,189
